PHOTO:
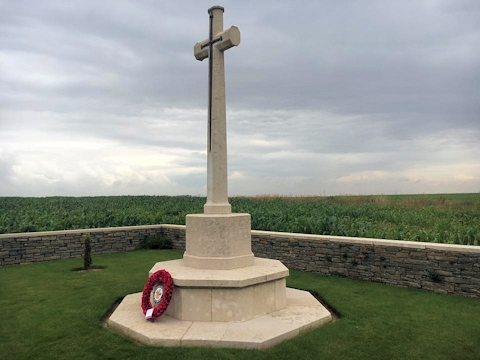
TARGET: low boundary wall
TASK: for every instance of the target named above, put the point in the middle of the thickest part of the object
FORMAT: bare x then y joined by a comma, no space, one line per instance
453,269
50,245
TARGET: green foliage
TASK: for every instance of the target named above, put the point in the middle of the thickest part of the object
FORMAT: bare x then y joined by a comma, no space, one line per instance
155,244
87,256
62,213
445,218
394,218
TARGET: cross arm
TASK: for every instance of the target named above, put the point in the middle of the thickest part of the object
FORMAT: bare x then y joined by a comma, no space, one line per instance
230,38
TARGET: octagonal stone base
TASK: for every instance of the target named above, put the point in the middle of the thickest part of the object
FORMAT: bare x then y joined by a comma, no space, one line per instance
301,313
225,295
248,307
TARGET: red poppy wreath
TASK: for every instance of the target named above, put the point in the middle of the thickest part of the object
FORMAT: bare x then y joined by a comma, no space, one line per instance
161,284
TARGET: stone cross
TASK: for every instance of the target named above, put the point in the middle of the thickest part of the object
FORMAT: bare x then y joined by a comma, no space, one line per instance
213,48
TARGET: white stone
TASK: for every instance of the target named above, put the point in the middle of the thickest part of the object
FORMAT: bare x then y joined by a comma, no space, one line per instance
263,270
217,174
230,38
257,333
225,295
193,304
264,298
218,241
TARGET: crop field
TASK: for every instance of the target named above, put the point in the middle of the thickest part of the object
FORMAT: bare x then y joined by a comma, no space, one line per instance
443,218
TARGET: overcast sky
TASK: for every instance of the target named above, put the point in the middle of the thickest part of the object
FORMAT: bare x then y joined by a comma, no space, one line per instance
323,97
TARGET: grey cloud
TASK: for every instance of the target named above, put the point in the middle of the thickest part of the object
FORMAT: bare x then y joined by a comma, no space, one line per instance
338,87
7,161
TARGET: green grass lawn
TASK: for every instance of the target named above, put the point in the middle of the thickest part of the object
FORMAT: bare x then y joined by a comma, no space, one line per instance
50,312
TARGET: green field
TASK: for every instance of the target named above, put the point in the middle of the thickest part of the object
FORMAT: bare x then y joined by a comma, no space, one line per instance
443,218
52,312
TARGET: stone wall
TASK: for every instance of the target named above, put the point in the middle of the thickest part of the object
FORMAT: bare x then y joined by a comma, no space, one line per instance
51,245
176,233
453,269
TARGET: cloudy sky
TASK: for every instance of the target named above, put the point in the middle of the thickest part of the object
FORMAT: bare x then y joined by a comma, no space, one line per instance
323,97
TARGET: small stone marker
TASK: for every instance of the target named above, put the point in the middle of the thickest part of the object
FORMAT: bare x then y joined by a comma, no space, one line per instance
213,48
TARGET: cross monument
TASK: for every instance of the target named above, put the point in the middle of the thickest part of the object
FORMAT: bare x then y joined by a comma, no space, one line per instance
213,48
223,295
217,239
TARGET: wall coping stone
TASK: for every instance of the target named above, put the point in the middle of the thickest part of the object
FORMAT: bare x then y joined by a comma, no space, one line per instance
369,241
358,240
81,231
272,234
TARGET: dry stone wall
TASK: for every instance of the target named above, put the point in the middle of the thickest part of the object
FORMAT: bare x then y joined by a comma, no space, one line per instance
453,269
51,245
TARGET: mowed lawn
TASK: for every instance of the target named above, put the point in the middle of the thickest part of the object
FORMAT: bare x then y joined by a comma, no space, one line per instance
48,311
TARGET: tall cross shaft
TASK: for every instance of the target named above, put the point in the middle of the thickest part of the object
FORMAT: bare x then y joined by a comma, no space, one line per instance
213,48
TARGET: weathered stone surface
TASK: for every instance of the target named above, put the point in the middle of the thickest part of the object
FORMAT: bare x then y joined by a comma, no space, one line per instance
218,241
300,313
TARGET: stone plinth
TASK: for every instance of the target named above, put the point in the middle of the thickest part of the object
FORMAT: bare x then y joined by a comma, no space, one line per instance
301,313
248,307
219,242
226,295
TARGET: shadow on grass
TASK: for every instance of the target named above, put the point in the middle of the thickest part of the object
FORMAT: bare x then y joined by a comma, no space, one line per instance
111,309
335,313
91,268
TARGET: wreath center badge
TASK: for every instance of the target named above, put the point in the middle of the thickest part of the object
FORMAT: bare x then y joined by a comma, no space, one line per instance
157,293
159,290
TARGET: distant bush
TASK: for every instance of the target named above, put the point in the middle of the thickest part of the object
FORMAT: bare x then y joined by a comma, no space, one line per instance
155,244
